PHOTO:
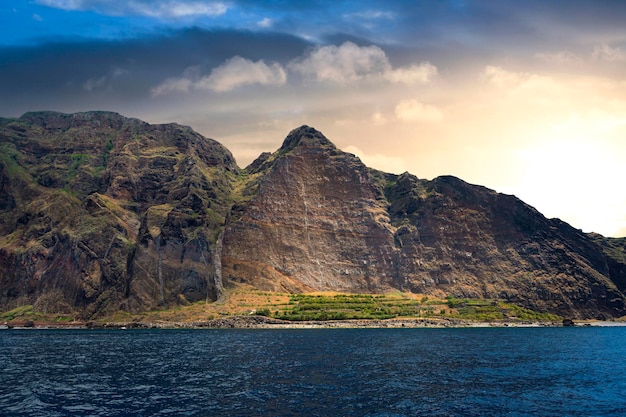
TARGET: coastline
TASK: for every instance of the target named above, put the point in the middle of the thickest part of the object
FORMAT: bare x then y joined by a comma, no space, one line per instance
262,322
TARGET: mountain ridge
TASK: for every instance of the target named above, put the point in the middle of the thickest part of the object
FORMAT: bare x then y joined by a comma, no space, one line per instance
100,213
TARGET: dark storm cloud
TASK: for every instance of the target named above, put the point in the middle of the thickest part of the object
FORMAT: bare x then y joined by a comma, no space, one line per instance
98,74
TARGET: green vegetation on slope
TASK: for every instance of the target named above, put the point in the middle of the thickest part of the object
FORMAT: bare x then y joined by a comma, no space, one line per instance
303,307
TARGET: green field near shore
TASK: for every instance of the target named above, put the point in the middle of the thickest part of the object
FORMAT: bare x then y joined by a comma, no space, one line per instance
308,307
303,307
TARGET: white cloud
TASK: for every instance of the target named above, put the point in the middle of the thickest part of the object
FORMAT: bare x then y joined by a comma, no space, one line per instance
561,57
379,119
105,81
239,71
607,53
234,73
378,161
414,111
172,85
534,87
349,63
161,9
370,15
266,22
414,74
63,4
500,77
168,9
341,64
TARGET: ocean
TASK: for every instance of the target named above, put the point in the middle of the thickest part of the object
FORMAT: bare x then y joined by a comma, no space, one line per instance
578,371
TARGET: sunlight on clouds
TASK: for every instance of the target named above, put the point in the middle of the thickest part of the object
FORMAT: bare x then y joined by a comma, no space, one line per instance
378,161
350,62
414,111
239,71
607,53
502,78
533,89
342,64
379,119
562,57
235,72
414,74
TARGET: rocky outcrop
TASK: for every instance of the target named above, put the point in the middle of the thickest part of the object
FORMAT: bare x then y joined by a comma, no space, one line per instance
100,213
104,213
312,217
468,241
317,221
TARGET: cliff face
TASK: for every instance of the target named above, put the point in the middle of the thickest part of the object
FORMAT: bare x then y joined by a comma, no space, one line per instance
99,213
103,213
317,221
469,241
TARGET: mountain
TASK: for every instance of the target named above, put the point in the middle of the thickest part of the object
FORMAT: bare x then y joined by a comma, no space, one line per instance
100,213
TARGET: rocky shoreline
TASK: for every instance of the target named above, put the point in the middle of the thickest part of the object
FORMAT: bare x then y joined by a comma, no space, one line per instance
261,322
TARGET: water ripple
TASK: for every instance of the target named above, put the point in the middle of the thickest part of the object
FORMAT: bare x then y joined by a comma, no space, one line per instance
349,372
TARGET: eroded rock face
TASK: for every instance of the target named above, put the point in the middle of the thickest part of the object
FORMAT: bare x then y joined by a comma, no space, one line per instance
468,241
315,218
317,221
103,212
100,213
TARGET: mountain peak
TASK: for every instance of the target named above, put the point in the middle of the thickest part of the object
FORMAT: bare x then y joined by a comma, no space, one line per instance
305,136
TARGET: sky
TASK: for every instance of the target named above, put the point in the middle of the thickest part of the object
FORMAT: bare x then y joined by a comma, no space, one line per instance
523,97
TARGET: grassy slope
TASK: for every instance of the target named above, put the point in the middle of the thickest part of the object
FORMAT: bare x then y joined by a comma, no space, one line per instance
244,301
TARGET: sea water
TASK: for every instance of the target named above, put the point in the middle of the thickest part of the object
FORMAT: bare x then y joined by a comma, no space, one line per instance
321,372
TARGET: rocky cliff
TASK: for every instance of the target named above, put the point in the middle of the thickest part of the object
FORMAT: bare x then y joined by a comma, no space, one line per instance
100,213
320,220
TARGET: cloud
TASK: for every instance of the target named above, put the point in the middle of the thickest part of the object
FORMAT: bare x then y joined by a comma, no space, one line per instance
500,77
181,85
378,161
414,111
177,9
342,64
105,81
370,15
159,8
607,53
63,4
529,87
265,23
414,74
239,71
378,119
234,73
561,57
349,63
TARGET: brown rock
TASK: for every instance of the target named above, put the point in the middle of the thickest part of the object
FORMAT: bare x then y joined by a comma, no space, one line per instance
100,213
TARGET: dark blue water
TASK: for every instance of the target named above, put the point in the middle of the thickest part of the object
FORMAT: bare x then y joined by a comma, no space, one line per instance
334,372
